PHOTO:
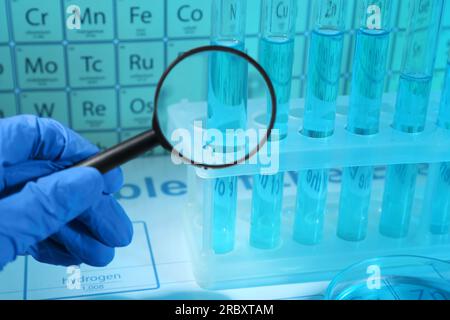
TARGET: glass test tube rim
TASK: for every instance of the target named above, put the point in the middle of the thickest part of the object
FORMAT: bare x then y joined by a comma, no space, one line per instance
237,37
266,20
325,26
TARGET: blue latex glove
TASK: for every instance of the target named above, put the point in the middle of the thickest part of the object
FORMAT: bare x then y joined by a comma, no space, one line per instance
64,218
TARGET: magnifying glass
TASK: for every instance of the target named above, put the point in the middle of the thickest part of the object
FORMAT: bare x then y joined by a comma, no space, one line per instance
206,107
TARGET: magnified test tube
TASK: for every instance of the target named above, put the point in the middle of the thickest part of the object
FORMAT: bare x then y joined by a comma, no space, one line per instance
368,78
325,55
276,55
228,29
411,111
440,204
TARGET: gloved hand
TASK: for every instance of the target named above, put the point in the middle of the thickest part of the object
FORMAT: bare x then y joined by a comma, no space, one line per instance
63,218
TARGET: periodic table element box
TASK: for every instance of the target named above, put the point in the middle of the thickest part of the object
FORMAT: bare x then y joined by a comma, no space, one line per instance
96,19
136,107
141,63
40,66
92,66
253,16
6,72
94,109
177,47
7,105
4,37
51,104
36,20
132,269
140,19
188,18
302,16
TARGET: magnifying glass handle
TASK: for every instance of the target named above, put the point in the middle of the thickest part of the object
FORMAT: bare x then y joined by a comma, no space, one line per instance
121,153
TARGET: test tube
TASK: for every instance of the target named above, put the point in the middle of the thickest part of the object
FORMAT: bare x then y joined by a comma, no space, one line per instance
325,56
411,111
368,77
228,29
440,205
444,110
228,23
276,55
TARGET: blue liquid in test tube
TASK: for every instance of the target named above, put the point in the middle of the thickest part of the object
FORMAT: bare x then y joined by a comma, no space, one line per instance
276,55
266,211
411,111
324,67
227,104
440,203
368,77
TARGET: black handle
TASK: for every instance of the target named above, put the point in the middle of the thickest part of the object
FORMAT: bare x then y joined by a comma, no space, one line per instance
123,152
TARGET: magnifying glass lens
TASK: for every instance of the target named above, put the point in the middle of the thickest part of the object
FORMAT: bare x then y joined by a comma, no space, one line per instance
214,108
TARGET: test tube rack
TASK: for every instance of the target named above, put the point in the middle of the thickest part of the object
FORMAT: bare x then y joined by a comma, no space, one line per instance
292,262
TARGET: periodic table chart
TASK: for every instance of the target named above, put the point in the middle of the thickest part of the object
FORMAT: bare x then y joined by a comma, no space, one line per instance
100,79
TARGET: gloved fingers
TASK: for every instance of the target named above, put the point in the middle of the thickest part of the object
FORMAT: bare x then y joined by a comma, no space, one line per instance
26,138
113,181
41,208
108,222
29,137
77,240
17,175
51,252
